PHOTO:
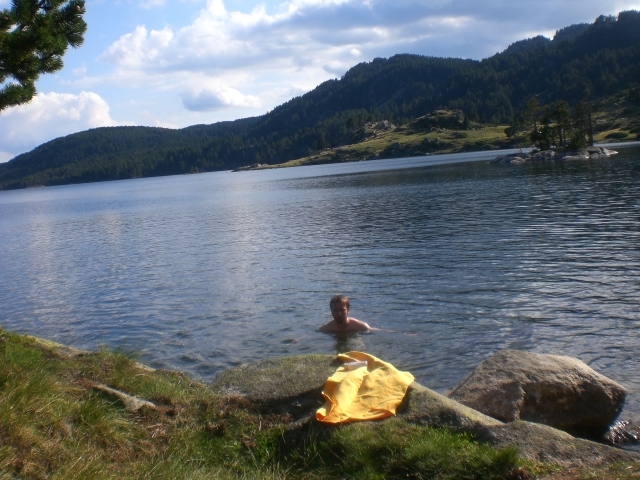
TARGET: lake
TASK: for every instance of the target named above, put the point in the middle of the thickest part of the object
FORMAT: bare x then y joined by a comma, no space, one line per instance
456,256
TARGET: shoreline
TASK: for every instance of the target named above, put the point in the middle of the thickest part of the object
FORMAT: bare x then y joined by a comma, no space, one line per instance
328,160
70,413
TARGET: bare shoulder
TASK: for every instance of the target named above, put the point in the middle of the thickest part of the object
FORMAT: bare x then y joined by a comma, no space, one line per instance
327,327
355,324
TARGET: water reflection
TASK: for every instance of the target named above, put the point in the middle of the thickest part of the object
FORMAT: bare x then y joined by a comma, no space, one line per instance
348,342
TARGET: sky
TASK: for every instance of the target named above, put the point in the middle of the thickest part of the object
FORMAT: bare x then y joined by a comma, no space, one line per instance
175,63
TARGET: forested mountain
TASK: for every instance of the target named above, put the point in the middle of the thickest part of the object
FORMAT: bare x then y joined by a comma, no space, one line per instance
582,62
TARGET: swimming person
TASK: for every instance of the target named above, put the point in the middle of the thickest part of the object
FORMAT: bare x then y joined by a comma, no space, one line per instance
342,322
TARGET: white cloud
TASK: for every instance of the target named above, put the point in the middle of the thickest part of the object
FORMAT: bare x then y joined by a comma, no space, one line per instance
138,48
161,124
79,71
146,4
336,69
313,34
47,116
213,98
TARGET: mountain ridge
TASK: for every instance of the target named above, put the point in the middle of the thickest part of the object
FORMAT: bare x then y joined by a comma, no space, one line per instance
589,61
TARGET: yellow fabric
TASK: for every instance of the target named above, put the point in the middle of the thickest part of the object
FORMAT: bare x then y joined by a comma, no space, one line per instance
366,393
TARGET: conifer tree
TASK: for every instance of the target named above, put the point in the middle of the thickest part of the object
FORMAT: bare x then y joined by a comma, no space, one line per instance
34,35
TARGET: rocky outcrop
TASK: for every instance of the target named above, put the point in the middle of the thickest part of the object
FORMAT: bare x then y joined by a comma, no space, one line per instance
439,120
368,131
587,153
561,392
293,385
254,166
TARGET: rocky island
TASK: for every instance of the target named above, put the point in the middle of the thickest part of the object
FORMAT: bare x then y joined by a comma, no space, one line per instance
537,156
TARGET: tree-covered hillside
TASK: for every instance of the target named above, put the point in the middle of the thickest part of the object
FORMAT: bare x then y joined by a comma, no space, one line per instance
582,62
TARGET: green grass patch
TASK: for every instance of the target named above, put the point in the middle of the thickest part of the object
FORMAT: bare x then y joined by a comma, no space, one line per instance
395,449
617,135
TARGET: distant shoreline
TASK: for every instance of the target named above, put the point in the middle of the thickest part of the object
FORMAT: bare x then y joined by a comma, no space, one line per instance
497,152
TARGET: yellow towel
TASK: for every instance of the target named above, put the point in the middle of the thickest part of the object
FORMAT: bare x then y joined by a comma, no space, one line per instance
366,393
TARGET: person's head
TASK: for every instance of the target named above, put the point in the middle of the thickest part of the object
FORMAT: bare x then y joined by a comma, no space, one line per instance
340,305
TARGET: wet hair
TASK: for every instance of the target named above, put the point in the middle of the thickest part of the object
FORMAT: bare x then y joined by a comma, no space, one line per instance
340,299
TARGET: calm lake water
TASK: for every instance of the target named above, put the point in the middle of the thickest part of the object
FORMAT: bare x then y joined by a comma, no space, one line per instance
202,272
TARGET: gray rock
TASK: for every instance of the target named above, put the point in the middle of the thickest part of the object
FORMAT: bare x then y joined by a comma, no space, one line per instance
426,407
544,156
558,391
546,444
287,384
511,158
534,441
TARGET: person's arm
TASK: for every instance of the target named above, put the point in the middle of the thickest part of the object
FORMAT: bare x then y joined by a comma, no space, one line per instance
358,325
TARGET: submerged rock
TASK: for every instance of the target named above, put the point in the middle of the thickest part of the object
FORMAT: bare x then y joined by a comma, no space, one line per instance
561,392
625,431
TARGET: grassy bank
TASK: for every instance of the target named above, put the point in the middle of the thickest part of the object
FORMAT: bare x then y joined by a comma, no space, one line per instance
65,415
410,141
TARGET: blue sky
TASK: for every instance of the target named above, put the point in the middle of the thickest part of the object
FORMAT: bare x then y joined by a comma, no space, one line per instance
174,63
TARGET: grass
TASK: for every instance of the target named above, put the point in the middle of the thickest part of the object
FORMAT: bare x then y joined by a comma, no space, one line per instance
395,449
55,424
407,141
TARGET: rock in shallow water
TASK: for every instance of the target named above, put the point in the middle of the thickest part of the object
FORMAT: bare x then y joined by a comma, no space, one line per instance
553,390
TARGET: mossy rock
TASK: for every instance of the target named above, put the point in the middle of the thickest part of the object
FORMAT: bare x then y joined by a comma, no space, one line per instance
57,348
426,407
285,385
542,443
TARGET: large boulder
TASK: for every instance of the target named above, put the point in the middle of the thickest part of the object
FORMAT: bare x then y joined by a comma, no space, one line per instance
553,390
